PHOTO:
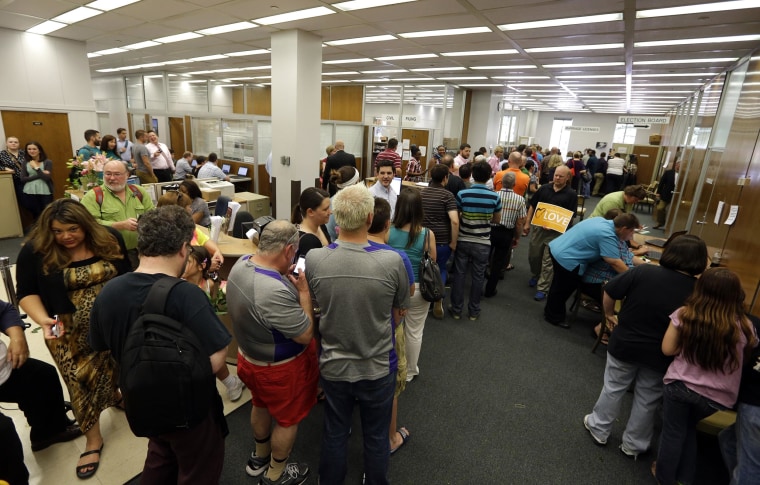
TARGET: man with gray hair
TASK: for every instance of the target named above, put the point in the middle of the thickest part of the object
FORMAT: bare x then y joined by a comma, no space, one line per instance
357,286
504,237
196,452
273,321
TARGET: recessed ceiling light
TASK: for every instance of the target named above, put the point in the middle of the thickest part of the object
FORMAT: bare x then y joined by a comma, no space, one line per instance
372,80
384,71
461,78
479,53
446,32
112,69
704,40
106,5
405,79
247,53
519,77
106,52
90,55
410,56
438,69
178,61
686,61
362,4
76,15
585,64
678,74
349,61
178,37
46,27
341,73
691,9
482,85
564,48
502,68
537,24
332,81
361,40
227,28
596,76
208,58
293,16
141,45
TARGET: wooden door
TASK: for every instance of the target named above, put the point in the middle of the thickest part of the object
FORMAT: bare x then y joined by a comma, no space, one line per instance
419,138
647,161
51,130
177,136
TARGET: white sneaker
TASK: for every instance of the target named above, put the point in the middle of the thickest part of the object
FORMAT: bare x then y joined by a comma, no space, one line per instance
598,441
236,391
627,452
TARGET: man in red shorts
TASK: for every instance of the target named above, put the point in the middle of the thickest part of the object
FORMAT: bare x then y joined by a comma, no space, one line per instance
273,321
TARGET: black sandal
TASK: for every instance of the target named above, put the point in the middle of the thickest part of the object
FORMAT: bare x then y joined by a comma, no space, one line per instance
88,470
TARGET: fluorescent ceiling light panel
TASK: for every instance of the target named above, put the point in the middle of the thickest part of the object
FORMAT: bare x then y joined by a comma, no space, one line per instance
247,53
502,68
46,27
112,69
178,61
178,37
76,15
585,64
438,69
596,76
361,40
141,45
106,5
479,53
411,56
462,78
673,74
362,4
341,73
349,61
106,52
537,24
292,16
704,40
333,81
90,55
481,85
519,77
404,79
686,61
373,80
565,48
208,58
445,32
222,29
692,9
384,71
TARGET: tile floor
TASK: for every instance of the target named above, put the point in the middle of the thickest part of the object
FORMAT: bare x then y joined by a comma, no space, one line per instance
123,453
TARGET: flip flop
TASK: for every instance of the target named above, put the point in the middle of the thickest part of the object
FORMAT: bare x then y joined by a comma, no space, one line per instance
405,436
509,268
84,471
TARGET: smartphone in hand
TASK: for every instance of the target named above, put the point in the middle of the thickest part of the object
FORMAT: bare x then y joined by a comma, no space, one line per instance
55,330
300,266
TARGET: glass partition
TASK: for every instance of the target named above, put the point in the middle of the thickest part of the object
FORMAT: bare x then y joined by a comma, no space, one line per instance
221,96
188,95
206,136
237,139
325,138
352,136
135,94
155,92
264,137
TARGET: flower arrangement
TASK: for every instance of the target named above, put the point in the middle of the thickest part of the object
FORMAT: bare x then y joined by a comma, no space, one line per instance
86,174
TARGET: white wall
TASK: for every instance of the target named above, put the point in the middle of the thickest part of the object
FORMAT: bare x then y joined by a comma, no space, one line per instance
110,96
484,120
47,74
579,140
425,117
221,99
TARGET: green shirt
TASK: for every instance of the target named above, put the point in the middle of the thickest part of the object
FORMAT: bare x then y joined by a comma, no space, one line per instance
114,210
613,200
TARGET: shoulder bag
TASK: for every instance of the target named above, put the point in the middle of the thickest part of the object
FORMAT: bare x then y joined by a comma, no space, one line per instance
431,283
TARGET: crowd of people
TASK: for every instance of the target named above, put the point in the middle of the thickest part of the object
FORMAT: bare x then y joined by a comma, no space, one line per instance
348,328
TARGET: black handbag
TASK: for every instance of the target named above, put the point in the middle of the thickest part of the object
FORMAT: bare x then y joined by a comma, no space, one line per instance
431,283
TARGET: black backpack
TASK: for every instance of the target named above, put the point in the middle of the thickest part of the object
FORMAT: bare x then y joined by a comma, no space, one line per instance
166,377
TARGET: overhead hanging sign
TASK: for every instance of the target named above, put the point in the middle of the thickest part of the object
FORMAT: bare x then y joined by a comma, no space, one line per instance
662,120
584,129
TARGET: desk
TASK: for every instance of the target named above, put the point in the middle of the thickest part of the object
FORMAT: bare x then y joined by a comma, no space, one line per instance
232,248
237,180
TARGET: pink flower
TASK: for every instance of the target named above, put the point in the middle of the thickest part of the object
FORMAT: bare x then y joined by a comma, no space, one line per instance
84,171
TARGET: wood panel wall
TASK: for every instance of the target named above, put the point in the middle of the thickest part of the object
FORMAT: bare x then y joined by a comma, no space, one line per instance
325,102
238,100
346,103
259,100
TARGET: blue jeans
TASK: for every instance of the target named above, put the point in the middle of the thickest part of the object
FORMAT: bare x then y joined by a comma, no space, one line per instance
475,257
681,411
740,444
443,253
375,400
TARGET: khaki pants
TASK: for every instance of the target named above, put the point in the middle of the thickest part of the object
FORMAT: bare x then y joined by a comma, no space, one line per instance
598,182
538,256
146,178
661,212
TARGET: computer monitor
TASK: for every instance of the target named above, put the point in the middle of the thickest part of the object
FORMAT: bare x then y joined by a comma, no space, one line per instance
226,168
242,171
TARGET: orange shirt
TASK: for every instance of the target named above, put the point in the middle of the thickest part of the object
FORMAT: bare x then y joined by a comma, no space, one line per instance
521,181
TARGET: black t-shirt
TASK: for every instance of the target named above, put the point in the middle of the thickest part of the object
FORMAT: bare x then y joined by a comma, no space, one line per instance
651,294
119,302
749,391
455,184
309,241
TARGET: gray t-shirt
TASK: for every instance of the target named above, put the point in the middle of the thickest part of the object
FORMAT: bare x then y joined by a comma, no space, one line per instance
265,312
139,150
356,286
200,205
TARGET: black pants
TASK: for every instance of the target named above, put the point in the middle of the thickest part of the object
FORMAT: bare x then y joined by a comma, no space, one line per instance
36,389
501,251
12,468
163,174
564,283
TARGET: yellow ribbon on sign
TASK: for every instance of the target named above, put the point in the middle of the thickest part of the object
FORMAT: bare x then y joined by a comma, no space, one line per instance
550,216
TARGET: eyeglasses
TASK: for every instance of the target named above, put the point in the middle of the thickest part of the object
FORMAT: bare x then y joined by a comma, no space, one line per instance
293,240
114,174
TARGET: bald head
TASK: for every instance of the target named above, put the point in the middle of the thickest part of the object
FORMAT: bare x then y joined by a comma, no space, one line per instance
515,159
561,177
339,145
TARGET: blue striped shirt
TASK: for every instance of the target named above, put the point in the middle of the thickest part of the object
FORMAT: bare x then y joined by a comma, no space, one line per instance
477,205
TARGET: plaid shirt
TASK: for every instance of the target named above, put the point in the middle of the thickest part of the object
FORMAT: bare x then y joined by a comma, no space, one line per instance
601,272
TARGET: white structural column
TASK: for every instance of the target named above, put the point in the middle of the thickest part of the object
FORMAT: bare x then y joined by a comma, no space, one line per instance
296,112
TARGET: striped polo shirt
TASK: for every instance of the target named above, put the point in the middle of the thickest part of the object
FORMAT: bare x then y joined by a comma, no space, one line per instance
512,208
477,205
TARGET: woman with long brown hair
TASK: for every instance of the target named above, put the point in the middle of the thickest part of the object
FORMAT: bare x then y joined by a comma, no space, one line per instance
64,264
36,175
710,338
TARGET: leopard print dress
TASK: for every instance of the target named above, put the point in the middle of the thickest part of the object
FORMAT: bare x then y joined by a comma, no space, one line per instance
91,377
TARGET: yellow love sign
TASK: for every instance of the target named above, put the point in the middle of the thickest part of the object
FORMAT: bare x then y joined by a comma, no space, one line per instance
551,216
